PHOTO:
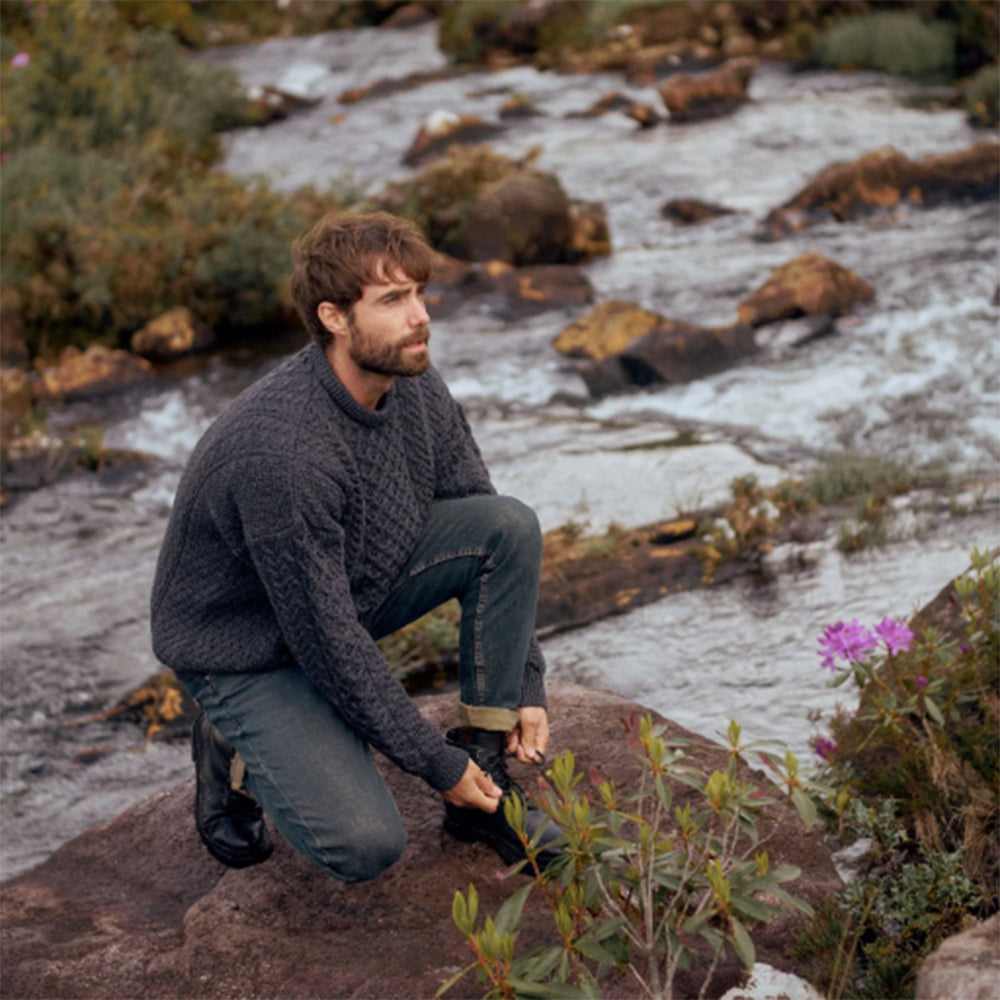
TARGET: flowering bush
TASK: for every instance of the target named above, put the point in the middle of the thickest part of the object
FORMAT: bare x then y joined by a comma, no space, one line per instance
915,771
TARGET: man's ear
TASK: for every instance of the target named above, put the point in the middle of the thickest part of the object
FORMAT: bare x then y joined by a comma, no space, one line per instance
331,317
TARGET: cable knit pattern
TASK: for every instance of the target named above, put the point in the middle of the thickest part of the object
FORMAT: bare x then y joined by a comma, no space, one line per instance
295,514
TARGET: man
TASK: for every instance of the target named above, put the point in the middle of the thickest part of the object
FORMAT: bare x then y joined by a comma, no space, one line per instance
336,500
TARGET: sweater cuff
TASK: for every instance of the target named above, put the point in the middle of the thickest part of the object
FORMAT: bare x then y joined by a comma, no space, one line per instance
446,771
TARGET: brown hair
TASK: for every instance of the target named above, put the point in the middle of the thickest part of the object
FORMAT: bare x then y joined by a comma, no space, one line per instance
345,251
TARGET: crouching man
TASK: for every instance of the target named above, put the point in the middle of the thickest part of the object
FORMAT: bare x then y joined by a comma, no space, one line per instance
334,501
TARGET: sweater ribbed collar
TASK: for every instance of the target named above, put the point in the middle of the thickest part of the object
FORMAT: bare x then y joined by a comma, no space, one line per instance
338,393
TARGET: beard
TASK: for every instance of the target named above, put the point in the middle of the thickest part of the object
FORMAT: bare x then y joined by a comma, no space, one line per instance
373,355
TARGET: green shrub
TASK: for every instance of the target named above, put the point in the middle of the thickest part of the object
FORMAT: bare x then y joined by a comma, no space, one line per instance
643,881
850,476
898,42
110,211
982,94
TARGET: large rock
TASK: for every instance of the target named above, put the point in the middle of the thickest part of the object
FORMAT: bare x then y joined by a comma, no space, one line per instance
809,285
693,98
171,335
136,908
93,372
443,129
884,179
966,965
628,346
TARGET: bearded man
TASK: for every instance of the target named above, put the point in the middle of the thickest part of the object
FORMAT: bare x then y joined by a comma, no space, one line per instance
339,498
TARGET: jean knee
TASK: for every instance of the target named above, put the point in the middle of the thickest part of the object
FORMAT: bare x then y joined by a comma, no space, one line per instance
518,525
370,852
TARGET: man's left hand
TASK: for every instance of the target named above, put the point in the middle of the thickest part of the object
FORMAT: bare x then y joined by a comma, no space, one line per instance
531,735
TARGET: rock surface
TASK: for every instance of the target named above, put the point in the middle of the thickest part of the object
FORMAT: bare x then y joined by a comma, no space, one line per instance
966,965
884,179
694,98
93,372
171,335
809,285
137,908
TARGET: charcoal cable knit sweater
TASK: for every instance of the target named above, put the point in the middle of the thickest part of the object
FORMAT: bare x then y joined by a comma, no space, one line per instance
294,516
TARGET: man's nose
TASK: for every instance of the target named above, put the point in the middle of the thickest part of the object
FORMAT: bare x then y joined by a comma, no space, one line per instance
418,314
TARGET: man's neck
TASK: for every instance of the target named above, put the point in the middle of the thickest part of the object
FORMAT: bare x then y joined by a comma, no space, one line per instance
367,388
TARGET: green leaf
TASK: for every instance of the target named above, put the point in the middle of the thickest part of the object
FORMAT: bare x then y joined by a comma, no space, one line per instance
509,914
805,806
752,909
529,990
933,710
743,945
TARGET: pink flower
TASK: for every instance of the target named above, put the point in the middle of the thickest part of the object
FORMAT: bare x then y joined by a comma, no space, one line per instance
21,59
921,681
895,634
849,641
825,747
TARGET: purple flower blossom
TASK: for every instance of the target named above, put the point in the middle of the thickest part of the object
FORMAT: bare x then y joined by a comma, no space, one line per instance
825,747
21,59
895,634
849,641
921,681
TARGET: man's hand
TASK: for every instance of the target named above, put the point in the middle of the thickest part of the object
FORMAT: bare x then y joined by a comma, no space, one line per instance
531,736
476,790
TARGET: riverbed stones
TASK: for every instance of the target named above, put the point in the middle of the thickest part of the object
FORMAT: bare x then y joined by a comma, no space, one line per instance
606,329
93,372
443,129
811,284
709,95
137,908
885,179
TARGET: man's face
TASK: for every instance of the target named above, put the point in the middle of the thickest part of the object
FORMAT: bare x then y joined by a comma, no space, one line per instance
389,328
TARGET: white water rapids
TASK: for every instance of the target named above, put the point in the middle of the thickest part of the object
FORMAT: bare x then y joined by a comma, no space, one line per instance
914,377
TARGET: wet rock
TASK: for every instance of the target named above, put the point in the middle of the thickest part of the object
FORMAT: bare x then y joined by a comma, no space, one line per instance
966,965
605,330
522,219
93,372
270,104
694,98
629,347
779,337
137,908
614,100
35,460
171,335
687,211
811,284
645,115
884,179
509,292
516,107
590,236
408,16
443,129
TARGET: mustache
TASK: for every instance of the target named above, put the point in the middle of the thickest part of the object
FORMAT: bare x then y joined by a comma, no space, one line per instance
421,336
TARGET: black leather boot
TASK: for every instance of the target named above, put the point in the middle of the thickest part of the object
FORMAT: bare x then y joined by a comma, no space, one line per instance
489,750
230,823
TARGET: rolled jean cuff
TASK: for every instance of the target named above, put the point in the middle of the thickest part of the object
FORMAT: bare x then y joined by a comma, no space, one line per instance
497,720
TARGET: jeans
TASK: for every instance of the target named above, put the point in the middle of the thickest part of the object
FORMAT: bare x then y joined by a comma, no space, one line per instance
306,767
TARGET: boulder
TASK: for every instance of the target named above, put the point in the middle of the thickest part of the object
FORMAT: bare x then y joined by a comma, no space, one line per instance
443,129
136,908
606,329
93,372
590,236
966,965
171,335
272,104
811,284
693,98
884,179
523,218
629,347
688,211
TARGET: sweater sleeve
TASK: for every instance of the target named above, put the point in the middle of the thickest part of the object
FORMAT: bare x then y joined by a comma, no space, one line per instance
297,549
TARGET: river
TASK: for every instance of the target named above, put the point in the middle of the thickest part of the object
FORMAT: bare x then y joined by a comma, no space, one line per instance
914,377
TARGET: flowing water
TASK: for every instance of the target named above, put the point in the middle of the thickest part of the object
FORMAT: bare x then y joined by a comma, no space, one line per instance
913,377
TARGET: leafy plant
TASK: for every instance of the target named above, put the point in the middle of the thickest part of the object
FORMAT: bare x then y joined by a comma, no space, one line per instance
644,882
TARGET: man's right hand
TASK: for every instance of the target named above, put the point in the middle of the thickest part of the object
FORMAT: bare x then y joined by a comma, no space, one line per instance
476,790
